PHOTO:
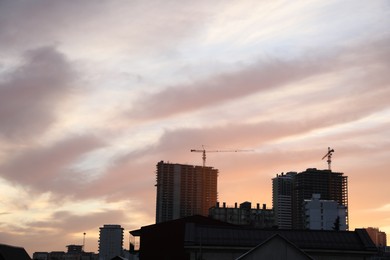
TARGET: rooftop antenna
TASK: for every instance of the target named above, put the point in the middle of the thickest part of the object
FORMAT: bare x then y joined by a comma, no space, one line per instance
329,155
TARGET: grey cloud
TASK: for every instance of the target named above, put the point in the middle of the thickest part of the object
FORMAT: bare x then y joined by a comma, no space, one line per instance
30,94
45,168
141,25
69,222
57,230
267,75
262,76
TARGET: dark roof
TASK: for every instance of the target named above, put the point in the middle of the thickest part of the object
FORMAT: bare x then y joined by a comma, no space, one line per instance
8,252
118,258
236,236
195,219
272,239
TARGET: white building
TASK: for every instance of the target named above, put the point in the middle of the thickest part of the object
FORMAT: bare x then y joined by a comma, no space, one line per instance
110,242
282,188
324,214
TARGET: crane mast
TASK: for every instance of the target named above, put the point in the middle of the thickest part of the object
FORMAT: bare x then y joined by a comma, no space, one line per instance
329,155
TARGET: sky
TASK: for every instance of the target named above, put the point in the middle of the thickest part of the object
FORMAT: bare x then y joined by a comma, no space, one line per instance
93,94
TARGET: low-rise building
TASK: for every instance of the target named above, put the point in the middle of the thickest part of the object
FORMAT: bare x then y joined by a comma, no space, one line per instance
199,237
378,237
8,252
259,217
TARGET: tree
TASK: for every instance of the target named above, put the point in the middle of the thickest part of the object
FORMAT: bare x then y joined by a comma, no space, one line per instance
336,224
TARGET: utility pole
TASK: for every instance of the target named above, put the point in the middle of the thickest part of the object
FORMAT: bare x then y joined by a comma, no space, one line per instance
84,241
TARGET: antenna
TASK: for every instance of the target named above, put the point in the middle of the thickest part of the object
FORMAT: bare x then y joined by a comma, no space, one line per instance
329,155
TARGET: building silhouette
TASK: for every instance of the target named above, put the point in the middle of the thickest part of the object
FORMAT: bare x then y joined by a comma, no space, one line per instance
290,191
378,237
330,185
244,214
199,237
282,190
74,252
184,190
9,252
110,242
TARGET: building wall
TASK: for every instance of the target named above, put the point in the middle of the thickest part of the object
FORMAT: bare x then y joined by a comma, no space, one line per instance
378,237
244,215
331,186
282,199
323,214
184,190
110,241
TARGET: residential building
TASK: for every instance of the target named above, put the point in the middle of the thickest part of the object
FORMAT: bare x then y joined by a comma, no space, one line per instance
259,217
199,237
184,190
72,254
8,252
324,214
275,248
290,190
378,237
282,190
110,242
330,185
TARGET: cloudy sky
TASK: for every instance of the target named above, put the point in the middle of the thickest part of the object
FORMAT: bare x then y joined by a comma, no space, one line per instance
94,93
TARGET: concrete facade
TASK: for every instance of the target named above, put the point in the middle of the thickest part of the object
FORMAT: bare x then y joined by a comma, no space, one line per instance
324,214
110,242
282,191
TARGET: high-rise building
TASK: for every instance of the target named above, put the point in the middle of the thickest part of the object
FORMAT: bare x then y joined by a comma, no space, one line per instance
184,190
290,190
282,187
324,214
110,242
330,185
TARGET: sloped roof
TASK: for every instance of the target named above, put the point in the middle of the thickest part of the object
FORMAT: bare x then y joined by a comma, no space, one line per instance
276,241
195,219
235,236
8,252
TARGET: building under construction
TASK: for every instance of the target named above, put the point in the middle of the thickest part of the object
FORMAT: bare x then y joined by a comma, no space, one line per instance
330,185
290,191
184,190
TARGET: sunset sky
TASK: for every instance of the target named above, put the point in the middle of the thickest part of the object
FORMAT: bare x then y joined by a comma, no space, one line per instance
94,93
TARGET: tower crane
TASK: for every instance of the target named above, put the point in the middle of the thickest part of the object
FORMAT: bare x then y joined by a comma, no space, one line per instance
203,151
329,155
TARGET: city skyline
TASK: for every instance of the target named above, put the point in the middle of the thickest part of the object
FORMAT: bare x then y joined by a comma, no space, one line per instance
94,93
